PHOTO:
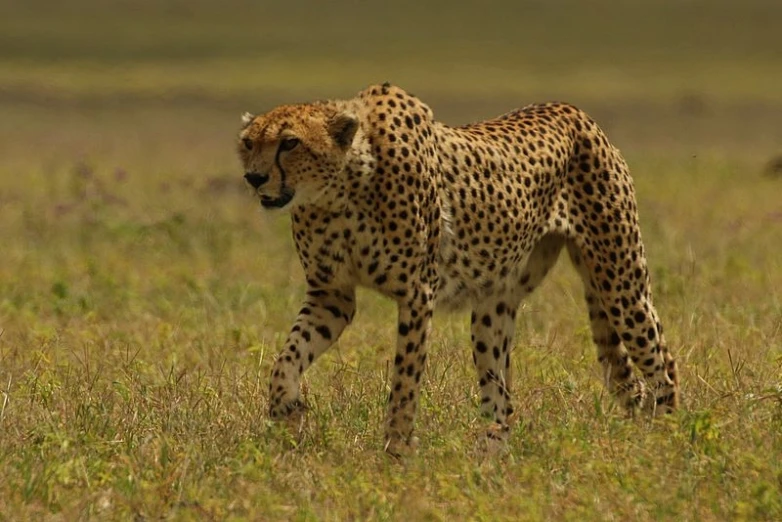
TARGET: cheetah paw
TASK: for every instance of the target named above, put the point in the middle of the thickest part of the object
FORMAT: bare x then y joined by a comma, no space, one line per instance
400,448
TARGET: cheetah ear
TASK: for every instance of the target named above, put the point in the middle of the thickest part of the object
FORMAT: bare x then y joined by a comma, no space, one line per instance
342,129
247,118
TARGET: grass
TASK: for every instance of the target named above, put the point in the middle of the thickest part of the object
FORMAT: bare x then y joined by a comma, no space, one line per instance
143,295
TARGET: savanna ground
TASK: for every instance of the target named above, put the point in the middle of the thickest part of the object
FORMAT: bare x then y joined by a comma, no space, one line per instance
143,294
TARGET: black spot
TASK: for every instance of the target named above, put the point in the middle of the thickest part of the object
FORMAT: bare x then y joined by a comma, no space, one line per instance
335,311
324,331
486,320
404,329
481,347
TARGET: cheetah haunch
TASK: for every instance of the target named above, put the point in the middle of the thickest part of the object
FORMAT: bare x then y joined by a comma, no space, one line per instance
384,196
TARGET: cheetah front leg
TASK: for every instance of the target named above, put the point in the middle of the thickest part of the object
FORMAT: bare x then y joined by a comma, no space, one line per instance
414,324
321,320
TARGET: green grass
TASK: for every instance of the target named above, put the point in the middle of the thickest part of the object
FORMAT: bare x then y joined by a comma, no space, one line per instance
143,295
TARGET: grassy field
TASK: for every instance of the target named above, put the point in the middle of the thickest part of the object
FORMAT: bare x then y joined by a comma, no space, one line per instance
143,295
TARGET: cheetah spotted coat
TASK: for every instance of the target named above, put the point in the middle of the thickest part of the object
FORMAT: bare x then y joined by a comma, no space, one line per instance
384,196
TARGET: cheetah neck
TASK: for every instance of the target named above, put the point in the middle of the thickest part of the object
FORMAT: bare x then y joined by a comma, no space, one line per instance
342,190
361,162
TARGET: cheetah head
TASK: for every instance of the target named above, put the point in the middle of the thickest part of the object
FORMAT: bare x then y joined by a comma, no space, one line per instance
296,152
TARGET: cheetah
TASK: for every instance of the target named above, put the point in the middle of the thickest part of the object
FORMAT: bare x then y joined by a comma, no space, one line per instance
384,196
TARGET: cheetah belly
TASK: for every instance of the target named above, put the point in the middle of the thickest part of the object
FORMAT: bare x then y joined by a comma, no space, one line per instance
469,273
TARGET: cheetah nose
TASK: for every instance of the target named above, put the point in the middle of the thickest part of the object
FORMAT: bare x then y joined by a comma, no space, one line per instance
256,180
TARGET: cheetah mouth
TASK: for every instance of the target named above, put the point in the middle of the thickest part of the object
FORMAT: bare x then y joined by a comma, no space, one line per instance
283,199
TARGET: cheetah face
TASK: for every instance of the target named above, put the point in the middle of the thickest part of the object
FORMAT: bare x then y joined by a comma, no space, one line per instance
296,154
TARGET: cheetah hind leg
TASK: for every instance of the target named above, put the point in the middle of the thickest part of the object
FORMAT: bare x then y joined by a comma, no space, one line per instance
492,328
493,325
628,334
617,368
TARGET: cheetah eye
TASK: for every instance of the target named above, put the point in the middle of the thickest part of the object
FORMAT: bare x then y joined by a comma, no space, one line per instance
248,143
289,144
